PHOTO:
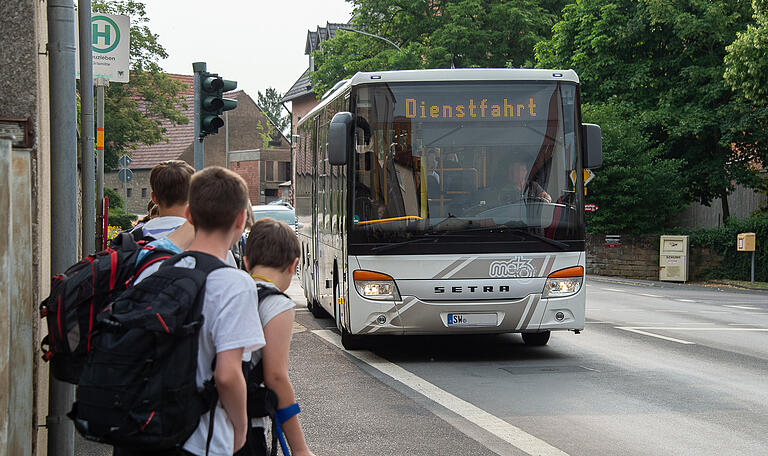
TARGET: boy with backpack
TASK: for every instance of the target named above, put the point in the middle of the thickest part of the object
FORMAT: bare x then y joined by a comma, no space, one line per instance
166,371
169,183
271,254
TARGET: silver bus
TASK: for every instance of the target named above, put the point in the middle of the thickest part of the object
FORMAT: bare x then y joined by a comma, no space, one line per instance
445,202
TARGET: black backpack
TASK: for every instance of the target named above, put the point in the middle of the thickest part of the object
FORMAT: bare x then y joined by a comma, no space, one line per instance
80,293
138,388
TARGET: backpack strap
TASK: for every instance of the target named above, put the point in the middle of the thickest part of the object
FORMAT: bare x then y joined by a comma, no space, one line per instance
267,291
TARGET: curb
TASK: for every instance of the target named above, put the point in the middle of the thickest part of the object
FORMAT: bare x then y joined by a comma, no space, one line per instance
743,287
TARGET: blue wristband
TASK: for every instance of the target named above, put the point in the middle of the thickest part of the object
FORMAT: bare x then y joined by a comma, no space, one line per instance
284,414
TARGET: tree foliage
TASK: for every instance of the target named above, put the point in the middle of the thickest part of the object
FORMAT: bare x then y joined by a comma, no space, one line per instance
460,33
117,213
665,61
747,59
636,190
128,121
269,102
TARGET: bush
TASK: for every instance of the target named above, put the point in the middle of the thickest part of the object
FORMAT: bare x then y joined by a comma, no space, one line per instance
117,214
735,265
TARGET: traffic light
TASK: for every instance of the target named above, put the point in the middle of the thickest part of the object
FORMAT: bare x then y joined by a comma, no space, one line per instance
212,103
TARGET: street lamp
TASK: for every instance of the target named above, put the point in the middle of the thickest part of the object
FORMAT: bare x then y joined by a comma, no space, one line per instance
371,35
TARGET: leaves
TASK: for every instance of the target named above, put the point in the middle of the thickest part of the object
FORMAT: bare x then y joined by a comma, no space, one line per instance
460,33
269,103
664,59
127,121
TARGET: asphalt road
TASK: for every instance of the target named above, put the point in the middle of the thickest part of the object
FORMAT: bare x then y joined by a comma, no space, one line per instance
659,370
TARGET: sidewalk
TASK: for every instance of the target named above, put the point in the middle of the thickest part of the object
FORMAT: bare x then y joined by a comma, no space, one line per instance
689,285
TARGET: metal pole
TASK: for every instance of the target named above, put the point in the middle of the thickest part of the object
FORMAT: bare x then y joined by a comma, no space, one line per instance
226,137
753,267
372,36
87,174
100,84
198,67
61,67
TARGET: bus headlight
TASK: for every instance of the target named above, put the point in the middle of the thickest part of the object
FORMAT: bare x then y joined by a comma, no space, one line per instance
564,282
375,285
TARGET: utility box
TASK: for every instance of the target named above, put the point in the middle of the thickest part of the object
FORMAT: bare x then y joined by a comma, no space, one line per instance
745,242
673,258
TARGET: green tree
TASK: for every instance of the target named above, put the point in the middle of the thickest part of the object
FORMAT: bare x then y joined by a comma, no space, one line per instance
665,59
117,214
636,190
435,34
270,104
747,60
129,122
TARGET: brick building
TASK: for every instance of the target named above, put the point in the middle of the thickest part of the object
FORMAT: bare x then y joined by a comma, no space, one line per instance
257,151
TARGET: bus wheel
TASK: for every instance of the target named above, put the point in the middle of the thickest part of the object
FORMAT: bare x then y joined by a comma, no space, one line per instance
351,342
536,339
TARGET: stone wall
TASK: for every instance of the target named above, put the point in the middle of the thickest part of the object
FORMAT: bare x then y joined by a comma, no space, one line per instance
638,258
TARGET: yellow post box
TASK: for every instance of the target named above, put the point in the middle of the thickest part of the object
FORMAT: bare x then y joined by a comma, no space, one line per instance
745,242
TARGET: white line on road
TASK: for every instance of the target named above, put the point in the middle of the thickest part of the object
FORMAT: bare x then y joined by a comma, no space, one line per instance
673,311
744,307
496,426
684,300
679,328
613,289
650,295
645,333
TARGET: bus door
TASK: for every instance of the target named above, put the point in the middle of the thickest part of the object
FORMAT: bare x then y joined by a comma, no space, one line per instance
315,248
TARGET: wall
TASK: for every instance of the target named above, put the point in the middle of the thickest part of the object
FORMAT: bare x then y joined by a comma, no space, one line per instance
136,203
301,106
638,258
25,234
741,203
246,164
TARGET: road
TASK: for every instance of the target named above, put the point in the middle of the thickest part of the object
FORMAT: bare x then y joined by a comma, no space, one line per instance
663,370
659,370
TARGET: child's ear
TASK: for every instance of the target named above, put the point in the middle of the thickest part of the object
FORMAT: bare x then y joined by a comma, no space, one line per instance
292,267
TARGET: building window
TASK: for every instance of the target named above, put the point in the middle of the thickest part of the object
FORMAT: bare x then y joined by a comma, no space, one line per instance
144,192
284,171
270,168
270,192
128,192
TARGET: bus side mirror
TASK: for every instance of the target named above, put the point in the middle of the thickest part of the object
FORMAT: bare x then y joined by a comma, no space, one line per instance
340,138
593,145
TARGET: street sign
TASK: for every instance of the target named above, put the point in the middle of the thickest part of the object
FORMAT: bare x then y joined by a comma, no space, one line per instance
124,175
124,161
588,176
111,48
590,207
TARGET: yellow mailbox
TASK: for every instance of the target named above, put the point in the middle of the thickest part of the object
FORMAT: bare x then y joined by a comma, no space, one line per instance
746,242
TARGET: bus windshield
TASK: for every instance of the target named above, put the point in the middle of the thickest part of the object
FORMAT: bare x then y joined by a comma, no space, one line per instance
465,157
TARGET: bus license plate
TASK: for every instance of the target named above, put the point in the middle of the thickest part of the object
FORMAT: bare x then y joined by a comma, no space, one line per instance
472,319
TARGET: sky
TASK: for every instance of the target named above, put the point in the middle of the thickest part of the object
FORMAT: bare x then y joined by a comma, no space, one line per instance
260,43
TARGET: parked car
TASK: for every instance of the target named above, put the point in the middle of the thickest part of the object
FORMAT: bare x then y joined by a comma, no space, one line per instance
276,211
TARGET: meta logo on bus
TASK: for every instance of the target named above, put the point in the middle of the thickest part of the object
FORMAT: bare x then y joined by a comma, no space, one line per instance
515,267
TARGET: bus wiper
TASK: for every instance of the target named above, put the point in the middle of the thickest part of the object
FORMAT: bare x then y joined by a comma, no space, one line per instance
428,236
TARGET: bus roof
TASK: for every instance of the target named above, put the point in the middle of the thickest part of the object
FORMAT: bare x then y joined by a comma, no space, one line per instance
465,74
444,75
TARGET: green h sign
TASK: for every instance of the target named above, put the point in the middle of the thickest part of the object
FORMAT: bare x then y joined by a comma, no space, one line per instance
103,39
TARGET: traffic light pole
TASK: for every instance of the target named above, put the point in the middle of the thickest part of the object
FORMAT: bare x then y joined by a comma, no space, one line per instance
198,68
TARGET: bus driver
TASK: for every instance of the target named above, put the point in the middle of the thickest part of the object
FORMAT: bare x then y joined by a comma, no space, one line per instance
518,187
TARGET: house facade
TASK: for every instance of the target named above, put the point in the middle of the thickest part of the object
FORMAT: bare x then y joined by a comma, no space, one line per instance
248,144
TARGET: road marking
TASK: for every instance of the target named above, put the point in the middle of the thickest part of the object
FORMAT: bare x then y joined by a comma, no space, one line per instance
745,307
600,322
713,311
650,295
684,300
297,328
673,311
658,336
496,426
614,289
679,328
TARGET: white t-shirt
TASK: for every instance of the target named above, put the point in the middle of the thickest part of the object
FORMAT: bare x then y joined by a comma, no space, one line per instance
271,307
160,227
231,320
